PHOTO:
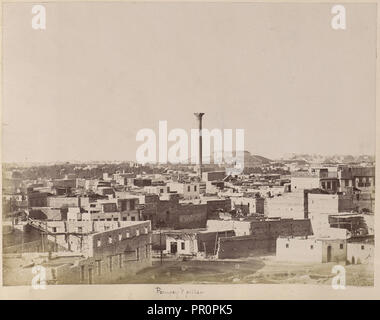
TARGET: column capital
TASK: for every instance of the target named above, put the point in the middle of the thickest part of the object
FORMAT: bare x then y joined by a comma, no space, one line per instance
199,115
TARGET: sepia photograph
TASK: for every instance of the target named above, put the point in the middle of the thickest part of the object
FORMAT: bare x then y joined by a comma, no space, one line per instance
188,143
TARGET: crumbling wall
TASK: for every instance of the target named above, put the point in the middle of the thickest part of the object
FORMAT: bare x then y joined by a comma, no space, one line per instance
245,246
191,216
120,240
207,241
214,205
288,205
34,246
283,227
240,227
158,241
262,241
101,271
364,201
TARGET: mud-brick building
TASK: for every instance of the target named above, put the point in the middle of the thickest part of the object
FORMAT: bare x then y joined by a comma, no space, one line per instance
192,242
37,199
258,237
111,255
167,211
108,252
215,205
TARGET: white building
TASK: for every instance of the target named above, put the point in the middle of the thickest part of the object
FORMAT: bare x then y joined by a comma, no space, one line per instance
311,249
188,190
181,243
360,253
157,189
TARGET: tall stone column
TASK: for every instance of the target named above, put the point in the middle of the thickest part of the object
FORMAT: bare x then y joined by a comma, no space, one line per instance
199,118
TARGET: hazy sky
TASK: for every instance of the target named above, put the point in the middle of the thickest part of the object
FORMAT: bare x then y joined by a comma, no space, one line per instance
82,88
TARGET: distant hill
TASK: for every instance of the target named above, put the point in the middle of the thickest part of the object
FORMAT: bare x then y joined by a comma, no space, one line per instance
251,160
331,159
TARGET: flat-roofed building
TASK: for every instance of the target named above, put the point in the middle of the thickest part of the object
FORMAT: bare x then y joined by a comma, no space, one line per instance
90,252
311,249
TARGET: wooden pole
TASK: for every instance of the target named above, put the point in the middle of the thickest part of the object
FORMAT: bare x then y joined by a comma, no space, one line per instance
160,246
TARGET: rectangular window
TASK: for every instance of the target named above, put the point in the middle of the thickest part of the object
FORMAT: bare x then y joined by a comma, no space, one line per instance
328,185
341,246
362,247
120,260
137,254
287,245
109,239
98,243
54,229
147,251
311,247
346,183
80,229
127,234
133,218
132,205
188,188
182,245
137,232
120,236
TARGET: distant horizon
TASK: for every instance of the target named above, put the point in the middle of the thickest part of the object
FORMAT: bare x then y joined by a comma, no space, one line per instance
158,164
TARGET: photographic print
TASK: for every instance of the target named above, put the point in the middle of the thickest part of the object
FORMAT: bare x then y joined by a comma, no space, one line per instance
188,143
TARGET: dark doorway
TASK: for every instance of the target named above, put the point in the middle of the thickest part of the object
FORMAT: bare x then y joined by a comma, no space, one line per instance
329,254
173,247
353,260
90,275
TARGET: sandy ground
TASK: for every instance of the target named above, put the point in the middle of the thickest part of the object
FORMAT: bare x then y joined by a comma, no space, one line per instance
249,270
